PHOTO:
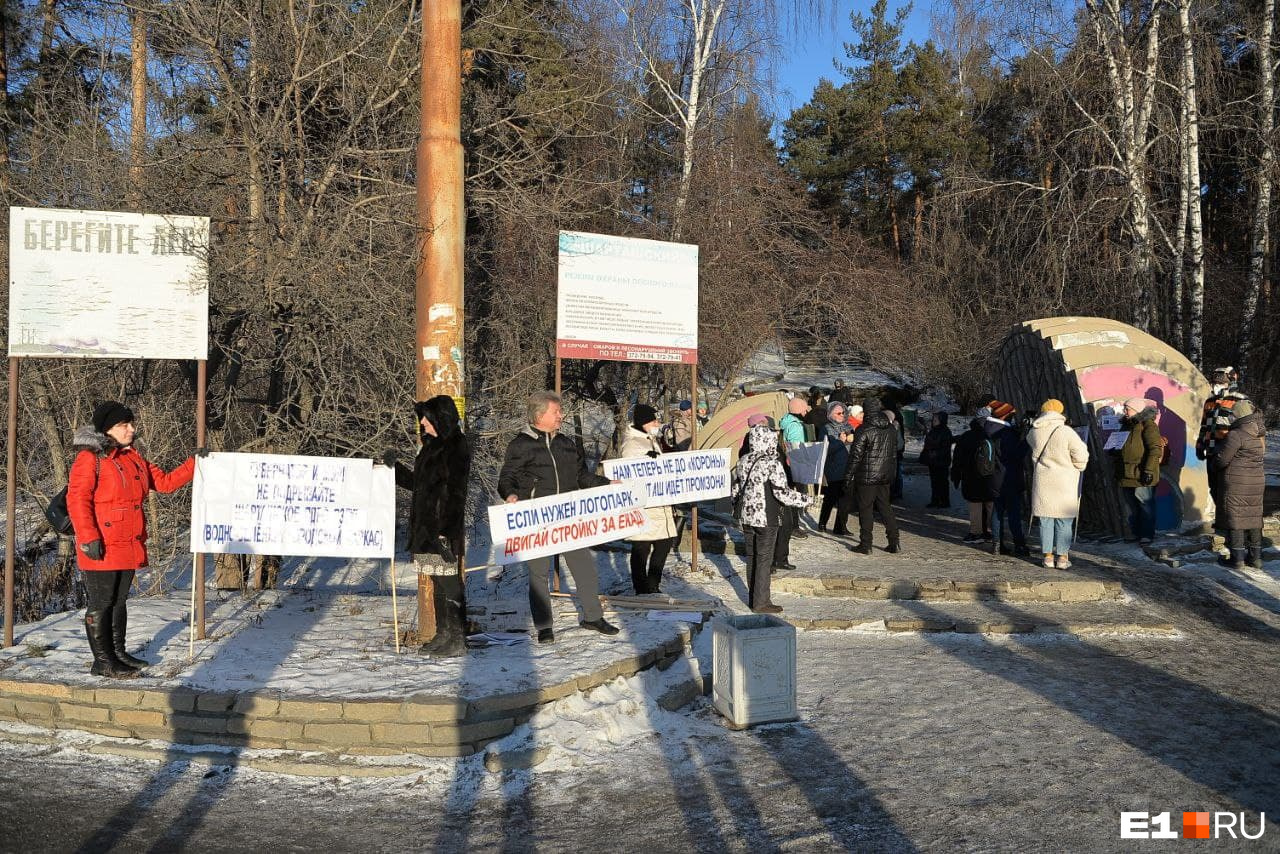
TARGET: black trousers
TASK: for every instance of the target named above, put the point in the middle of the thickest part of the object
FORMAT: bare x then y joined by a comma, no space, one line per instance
874,498
939,486
1245,538
107,589
647,559
833,499
760,544
782,546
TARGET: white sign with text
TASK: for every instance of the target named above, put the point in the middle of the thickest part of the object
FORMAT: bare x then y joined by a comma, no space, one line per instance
686,477
553,524
626,299
291,505
108,284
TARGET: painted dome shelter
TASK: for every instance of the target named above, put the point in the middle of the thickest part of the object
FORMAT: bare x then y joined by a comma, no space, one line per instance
1093,365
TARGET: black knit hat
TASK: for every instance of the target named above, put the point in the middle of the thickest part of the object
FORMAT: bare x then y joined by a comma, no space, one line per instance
642,415
109,413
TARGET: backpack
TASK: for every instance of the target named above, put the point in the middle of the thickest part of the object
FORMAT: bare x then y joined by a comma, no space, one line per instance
985,461
56,512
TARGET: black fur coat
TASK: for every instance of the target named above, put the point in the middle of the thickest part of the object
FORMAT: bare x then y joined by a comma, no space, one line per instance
438,480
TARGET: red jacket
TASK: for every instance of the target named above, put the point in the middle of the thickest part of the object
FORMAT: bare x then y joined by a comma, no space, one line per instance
104,500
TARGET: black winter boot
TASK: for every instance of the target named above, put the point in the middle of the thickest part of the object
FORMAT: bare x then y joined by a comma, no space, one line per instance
97,629
451,620
1236,561
1255,557
119,621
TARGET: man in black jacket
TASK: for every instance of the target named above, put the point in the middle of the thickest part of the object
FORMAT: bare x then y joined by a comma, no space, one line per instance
540,461
873,464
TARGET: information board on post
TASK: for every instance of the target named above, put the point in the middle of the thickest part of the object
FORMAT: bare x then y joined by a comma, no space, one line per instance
108,284
538,527
293,505
686,477
626,299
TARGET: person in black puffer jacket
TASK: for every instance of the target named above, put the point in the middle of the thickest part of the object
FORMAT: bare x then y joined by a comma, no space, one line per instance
936,454
438,481
541,461
873,464
1238,461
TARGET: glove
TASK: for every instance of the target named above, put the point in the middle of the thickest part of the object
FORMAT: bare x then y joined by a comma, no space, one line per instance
390,458
202,452
1200,454
93,550
653,454
1146,478
442,547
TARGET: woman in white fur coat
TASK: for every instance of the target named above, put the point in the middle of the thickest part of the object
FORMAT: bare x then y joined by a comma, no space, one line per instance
1058,456
650,547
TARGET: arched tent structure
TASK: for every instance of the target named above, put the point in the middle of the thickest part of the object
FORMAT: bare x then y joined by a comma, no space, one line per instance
729,426
1093,365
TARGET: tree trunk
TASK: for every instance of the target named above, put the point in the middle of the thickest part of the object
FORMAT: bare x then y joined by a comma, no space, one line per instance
1195,228
40,105
4,99
138,106
1260,232
1177,327
706,22
1131,105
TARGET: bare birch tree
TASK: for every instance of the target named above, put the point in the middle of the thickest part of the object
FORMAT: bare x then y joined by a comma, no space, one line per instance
1191,189
1132,71
1260,231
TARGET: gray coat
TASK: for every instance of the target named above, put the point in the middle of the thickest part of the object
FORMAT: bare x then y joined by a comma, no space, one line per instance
1239,462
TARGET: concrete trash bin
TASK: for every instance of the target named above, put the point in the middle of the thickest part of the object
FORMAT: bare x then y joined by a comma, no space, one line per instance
754,677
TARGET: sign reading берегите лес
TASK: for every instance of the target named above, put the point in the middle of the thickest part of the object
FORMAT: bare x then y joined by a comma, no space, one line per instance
538,527
108,284
292,505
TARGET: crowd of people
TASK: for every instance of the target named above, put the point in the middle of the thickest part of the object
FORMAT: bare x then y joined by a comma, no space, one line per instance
1004,459
1000,460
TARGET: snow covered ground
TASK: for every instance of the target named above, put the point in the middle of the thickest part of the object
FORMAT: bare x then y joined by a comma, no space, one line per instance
940,742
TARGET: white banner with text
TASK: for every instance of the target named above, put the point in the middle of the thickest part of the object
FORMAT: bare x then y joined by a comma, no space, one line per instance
681,478
553,524
278,504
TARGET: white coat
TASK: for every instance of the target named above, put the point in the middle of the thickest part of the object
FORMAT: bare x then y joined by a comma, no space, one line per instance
660,524
1058,455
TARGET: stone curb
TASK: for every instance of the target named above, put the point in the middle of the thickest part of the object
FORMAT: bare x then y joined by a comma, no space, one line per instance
423,725
945,590
1148,628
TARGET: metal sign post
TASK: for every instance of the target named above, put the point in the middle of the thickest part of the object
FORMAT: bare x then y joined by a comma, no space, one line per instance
10,501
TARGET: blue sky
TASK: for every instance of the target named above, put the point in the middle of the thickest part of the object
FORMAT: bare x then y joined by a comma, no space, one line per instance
807,56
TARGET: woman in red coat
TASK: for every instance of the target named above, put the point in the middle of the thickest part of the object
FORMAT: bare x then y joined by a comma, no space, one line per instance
108,483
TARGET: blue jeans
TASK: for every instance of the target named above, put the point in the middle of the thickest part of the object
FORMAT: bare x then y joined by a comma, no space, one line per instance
1056,535
1006,517
1142,511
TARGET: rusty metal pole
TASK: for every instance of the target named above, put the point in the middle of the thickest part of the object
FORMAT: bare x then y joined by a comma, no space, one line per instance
10,501
693,446
197,562
438,299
